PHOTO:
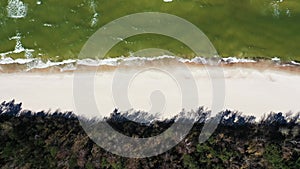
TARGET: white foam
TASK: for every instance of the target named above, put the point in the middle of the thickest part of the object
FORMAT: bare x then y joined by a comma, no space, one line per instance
8,60
18,48
5,61
295,63
39,64
47,25
70,64
168,0
237,60
120,60
276,9
199,60
275,59
94,19
92,62
68,67
16,9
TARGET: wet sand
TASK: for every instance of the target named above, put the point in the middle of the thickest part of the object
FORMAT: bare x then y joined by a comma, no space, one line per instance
248,89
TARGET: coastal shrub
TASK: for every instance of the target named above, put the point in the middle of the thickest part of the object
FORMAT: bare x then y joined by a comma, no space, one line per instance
56,140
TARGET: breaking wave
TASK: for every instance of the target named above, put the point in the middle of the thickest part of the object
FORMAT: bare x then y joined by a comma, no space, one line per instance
8,64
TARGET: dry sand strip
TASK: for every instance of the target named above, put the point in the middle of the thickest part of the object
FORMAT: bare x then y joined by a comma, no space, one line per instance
251,91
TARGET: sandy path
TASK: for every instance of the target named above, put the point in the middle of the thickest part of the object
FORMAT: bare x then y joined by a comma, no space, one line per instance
250,91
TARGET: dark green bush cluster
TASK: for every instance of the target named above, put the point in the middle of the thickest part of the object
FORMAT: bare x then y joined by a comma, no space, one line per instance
56,140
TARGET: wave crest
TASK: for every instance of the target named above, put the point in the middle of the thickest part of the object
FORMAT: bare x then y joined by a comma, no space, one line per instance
8,64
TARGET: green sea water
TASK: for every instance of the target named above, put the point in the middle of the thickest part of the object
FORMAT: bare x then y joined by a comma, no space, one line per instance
57,29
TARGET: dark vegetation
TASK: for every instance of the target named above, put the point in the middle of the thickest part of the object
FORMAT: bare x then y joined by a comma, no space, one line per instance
56,140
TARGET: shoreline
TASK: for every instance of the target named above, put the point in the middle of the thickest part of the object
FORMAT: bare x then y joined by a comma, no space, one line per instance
35,65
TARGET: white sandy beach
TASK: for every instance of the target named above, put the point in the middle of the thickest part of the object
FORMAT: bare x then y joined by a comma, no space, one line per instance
248,90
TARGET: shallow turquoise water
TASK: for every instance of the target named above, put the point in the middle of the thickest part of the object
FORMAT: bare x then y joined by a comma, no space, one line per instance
57,30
